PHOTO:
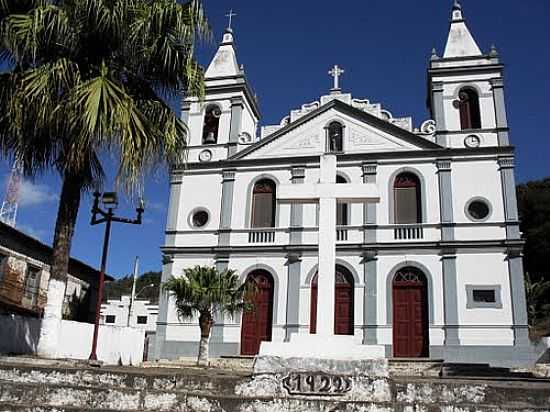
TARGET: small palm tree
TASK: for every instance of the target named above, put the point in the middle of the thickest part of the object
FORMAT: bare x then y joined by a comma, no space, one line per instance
205,291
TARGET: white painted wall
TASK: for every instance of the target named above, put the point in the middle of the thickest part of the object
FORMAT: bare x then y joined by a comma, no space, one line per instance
115,344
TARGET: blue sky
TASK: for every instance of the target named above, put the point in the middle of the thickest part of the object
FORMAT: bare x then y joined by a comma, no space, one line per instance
287,48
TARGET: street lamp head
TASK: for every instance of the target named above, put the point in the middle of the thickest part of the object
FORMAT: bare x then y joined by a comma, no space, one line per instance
110,200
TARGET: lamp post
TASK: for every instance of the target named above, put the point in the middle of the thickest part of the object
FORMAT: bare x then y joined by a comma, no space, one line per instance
110,203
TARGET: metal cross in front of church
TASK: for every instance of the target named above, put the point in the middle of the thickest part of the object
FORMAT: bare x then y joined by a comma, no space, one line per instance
327,193
336,72
230,15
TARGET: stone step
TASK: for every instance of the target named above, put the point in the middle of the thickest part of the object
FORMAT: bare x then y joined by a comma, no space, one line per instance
481,370
221,382
15,407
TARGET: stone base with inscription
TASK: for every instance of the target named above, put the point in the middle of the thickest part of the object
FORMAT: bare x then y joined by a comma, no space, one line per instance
283,377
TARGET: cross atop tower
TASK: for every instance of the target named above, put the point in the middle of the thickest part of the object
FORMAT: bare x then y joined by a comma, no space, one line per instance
230,15
336,72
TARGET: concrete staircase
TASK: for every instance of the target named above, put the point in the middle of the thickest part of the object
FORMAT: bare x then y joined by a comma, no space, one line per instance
73,387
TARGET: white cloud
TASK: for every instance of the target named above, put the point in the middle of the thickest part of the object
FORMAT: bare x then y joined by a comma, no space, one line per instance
31,194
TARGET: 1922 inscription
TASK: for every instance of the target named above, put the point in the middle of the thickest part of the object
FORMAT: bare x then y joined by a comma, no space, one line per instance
316,384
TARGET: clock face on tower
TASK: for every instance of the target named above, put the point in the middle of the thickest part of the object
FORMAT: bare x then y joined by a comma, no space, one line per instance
205,156
472,141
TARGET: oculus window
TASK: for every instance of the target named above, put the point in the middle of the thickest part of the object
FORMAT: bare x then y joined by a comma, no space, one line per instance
199,218
478,210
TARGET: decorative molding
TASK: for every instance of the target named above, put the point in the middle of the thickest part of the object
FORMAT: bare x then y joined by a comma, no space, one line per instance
443,165
506,162
310,142
228,174
359,138
429,127
298,172
497,82
369,168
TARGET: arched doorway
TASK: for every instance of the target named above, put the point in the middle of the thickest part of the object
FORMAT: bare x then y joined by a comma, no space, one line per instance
343,305
257,324
410,314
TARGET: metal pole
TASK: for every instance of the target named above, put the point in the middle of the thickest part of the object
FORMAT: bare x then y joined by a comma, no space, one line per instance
133,295
93,355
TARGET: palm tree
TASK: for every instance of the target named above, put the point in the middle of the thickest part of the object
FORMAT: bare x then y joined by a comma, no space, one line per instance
86,79
205,291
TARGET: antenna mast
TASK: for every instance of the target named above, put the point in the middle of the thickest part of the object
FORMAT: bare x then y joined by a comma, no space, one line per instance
8,212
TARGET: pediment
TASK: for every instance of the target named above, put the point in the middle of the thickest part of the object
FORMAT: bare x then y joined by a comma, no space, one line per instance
363,133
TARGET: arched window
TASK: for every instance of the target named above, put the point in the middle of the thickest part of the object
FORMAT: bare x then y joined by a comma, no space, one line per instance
335,137
263,204
211,124
342,210
468,101
407,199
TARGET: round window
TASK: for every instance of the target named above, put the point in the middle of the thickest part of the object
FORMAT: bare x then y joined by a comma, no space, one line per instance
478,209
200,218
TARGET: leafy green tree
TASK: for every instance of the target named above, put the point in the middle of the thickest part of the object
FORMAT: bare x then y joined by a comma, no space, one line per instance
538,308
534,209
116,289
205,291
87,79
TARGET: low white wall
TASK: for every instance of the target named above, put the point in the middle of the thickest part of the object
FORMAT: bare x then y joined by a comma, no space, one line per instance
19,335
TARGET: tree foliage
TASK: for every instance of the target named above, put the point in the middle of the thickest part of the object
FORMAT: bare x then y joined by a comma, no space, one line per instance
120,287
88,77
204,291
534,208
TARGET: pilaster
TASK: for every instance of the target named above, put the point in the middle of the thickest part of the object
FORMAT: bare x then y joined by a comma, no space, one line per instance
298,174
228,187
370,171
185,108
500,111
294,265
237,106
370,301
508,181
519,302
450,298
438,112
445,199
162,320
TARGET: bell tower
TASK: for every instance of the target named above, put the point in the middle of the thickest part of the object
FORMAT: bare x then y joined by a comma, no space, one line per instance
466,91
227,119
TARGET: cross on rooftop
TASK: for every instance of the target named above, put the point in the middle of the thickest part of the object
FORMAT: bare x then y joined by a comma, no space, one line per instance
336,72
230,15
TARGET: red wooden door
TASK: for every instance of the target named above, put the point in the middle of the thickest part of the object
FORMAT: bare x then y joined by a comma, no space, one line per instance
257,324
410,314
343,309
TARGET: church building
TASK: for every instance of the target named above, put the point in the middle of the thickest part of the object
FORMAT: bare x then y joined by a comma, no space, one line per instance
429,266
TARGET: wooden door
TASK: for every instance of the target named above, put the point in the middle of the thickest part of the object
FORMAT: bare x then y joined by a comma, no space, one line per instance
410,314
257,324
343,309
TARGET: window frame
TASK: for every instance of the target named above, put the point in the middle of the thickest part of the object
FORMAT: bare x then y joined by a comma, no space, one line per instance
473,304
273,184
469,109
328,128
140,317
210,108
419,199
110,317
478,199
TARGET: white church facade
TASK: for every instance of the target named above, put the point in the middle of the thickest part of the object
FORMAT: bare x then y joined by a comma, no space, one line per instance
427,249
